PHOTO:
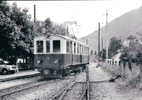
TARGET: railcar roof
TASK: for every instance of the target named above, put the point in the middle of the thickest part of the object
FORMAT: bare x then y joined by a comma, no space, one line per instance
61,36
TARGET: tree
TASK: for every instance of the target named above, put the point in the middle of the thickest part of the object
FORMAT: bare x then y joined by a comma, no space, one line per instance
48,27
16,32
114,46
133,53
7,31
22,20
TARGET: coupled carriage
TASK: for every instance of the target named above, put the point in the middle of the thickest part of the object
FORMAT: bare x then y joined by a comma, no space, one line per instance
57,55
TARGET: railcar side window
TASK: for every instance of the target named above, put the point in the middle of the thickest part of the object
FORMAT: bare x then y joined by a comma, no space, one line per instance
56,45
78,48
47,46
39,46
74,48
85,50
68,46
81,49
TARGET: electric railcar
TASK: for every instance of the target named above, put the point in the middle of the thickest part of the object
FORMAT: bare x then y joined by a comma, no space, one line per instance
56,55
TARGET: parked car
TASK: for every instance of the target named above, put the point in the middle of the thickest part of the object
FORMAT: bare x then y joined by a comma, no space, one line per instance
6,67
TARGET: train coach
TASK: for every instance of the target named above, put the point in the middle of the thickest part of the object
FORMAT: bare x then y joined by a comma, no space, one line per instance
57,55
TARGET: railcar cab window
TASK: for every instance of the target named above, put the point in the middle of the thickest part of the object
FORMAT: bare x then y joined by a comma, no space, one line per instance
56,46
39,46
48,46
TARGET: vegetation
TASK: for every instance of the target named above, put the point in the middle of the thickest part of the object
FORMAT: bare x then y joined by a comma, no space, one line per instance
48,27
114,46
15,32
132,46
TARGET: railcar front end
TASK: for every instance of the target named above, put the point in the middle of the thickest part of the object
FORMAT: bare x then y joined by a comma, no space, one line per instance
49,65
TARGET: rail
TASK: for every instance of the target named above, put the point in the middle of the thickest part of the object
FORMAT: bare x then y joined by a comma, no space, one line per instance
19,88
87,83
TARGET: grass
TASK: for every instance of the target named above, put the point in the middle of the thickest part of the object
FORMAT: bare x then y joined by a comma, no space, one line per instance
128,78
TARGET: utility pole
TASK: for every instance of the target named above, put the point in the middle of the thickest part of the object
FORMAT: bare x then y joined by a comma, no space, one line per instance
107,43
99,39
34,13
34,26
102,42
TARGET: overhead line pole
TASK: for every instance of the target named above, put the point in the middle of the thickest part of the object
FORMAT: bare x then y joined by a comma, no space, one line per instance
99,39
34,25
102,42
106,33
34,13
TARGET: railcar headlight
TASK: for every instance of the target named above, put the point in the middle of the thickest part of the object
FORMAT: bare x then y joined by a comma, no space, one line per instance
38,61
46,72
56,61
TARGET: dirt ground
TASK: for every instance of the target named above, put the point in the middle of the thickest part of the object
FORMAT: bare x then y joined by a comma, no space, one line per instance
120,89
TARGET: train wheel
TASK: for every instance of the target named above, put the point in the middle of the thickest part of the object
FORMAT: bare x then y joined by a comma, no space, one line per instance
55,72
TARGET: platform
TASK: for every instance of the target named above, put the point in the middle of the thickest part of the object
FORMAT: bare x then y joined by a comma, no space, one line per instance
18,75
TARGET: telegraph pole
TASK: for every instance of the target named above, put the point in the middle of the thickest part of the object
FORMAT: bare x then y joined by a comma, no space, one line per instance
34,26
99,39
106,33
102,42
34,13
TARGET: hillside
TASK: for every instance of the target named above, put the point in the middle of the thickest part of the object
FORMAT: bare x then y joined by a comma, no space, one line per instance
128,23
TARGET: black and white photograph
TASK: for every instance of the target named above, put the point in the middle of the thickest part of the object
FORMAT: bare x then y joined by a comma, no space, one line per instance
71,50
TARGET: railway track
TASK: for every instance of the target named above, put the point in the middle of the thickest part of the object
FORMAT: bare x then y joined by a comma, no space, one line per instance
73,91
77,92
19,88
15,90
69,85
62,91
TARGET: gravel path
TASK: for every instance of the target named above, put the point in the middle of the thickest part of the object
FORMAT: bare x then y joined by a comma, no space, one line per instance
81,77
104,90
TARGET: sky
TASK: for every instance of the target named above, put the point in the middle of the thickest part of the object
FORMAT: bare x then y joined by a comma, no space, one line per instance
87,14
